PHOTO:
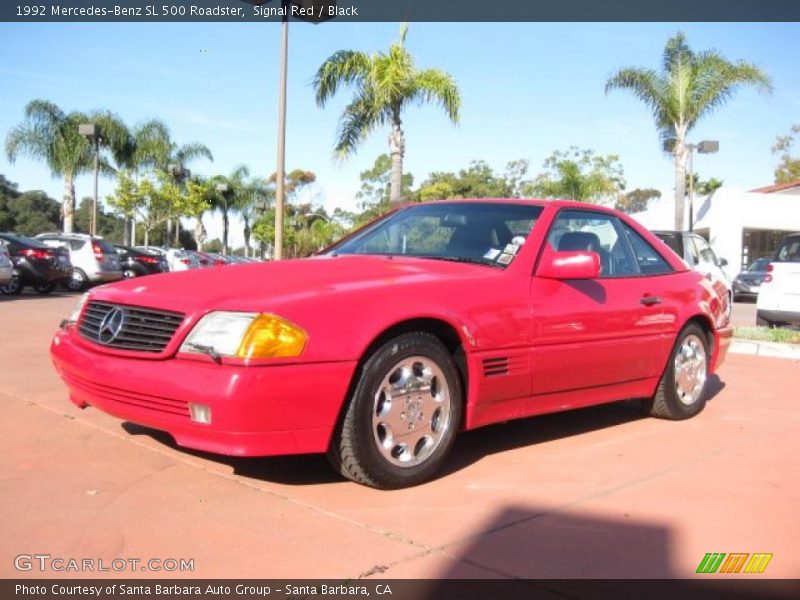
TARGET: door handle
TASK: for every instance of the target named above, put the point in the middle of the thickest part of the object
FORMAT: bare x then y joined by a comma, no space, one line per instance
650,300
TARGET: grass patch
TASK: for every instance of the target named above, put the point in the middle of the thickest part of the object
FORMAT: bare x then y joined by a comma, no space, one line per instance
767,334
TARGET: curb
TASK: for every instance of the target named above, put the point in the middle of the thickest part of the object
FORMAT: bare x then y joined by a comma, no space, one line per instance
773,349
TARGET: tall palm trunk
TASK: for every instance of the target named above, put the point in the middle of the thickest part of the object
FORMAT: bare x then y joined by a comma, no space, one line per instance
126,232
225,232
397,150
246,237
680,179
68,206
199,232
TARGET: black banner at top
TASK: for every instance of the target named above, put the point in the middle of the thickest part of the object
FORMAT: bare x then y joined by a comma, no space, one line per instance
399,10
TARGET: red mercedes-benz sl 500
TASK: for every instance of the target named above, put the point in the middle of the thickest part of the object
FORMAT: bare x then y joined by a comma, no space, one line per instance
438,317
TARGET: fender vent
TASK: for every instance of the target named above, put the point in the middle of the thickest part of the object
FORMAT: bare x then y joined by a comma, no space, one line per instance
495,366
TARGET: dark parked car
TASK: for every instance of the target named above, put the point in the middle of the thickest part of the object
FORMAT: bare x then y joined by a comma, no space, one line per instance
748,282
135,262
35,265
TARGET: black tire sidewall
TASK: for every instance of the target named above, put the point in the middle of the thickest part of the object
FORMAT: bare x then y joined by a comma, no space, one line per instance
384,358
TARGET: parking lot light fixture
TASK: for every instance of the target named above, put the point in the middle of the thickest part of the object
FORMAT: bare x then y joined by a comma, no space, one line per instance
704,147
93,133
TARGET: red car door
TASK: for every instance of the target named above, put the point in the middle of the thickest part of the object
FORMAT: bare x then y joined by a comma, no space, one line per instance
614,329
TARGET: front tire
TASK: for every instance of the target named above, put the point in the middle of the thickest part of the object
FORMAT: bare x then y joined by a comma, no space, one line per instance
681,391
401,420
44,288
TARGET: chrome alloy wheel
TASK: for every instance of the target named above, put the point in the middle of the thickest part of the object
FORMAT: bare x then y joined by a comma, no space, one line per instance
411,411
690,370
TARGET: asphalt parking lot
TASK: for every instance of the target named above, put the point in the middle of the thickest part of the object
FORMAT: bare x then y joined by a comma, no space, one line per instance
600,492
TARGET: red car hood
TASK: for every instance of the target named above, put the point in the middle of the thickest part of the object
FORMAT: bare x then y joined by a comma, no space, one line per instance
262,286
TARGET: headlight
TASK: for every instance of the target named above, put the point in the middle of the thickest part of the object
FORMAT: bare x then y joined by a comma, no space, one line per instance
76,310
245,335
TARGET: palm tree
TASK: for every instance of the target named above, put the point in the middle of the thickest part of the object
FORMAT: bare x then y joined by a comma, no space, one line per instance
227,201
253,200
384,84
147,145
690,86
51,135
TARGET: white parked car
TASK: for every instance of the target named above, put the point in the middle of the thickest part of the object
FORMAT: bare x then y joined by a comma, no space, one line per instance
6,266
779,296
93,259
178,259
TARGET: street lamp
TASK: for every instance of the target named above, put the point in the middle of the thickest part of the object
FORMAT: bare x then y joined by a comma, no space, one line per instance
704,147
320,12
93,133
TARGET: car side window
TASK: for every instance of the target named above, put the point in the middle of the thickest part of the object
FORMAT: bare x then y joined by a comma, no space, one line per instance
76,244
692,256
588,231
704,252
649,260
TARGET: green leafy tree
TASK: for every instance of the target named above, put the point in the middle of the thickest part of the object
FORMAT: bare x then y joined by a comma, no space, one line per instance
477,181
689,86
295,220
29,212
384,84
636,200
375,192
51,135
788,168
109,226
579,175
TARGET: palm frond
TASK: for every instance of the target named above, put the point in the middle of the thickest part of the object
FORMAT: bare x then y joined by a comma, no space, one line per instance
189,152
345,67
359,118
433,85
645,85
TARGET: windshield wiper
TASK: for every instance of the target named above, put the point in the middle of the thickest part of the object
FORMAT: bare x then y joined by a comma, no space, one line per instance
475,261
208,350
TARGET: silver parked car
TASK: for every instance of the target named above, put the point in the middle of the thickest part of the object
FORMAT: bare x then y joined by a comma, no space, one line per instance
93,259
6,267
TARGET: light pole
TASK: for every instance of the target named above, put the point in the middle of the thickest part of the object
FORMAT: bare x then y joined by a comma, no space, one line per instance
93,133
704,147
179,175
320,11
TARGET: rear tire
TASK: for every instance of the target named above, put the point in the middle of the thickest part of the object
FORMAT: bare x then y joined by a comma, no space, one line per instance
401,420
681,391
77,281
13,287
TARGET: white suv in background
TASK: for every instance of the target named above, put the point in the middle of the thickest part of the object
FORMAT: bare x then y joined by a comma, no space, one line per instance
779,296
93,259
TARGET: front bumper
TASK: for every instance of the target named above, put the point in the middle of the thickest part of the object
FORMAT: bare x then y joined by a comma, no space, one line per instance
105,276
255,411
779,316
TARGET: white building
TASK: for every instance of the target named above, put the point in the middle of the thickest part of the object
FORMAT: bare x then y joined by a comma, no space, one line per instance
741,226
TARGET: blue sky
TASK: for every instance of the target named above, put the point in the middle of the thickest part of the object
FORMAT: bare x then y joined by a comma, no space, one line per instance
527,89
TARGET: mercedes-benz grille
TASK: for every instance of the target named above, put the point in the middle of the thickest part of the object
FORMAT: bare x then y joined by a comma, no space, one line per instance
128,327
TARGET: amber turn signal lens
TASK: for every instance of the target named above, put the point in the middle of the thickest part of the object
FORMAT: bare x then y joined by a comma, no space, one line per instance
270,336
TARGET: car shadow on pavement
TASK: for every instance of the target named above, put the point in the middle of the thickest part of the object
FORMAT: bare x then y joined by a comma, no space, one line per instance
470,446
571,553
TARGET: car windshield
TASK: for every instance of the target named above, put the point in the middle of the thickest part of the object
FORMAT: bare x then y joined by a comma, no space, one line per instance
482,233
789,250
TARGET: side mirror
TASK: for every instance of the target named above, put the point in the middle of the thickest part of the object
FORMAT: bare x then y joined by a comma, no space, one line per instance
569,265
723,262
